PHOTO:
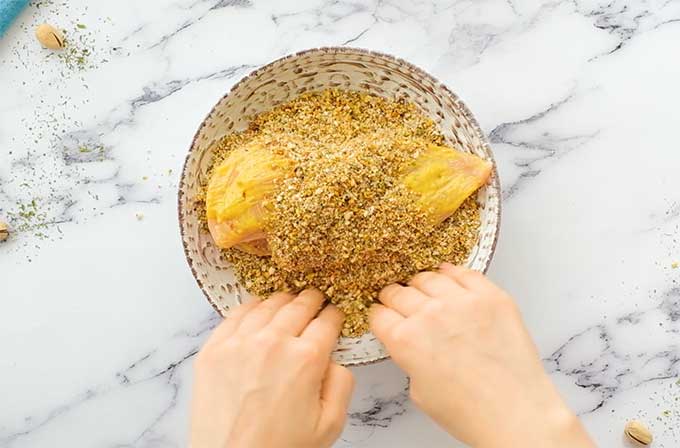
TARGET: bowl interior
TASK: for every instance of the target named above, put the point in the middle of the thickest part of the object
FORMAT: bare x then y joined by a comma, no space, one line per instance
316,70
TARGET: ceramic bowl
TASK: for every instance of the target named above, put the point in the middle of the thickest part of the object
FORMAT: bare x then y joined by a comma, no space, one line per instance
285,79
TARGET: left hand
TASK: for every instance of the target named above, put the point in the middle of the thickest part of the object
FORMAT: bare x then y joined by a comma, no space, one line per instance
265,378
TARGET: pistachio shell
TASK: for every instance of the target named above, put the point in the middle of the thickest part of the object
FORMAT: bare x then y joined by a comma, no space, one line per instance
49,36
4,231
637,432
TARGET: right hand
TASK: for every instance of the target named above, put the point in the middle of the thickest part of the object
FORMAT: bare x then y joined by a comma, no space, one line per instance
473,366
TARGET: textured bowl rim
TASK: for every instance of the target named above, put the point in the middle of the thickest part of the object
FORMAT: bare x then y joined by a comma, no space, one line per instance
339,50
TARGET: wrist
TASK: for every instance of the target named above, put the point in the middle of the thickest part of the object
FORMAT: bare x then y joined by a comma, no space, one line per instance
564,429
555,426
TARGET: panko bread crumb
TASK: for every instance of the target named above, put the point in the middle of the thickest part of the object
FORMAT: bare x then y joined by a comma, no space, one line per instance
343,222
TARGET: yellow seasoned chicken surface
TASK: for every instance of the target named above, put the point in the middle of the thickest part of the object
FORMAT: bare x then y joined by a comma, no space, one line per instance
237,194
442,178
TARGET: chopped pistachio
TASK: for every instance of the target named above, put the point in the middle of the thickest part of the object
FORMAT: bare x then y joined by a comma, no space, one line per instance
344,222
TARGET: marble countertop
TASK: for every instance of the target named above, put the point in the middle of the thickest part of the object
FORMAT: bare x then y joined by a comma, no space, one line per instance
100,316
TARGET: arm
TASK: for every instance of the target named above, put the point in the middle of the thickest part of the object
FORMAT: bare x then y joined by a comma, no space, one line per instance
265,379
473,366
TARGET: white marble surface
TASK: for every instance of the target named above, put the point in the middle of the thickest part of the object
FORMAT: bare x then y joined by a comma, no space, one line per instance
100,316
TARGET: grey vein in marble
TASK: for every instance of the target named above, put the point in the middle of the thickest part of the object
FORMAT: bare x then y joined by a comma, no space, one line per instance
612,369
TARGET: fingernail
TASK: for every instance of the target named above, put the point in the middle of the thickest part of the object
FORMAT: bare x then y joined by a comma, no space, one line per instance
446,265
283,295
390,286
334,309
250,299
312,291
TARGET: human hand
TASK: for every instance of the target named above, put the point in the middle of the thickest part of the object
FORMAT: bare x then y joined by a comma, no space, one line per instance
473,366
265,379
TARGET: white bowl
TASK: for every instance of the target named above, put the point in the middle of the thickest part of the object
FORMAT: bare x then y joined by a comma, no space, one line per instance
314,70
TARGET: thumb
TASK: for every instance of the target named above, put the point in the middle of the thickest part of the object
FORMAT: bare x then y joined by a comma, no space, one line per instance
336,393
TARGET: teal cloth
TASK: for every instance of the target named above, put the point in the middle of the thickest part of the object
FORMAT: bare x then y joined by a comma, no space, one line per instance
9,10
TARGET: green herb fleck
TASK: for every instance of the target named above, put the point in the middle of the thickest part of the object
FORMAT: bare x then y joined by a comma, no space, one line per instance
28,217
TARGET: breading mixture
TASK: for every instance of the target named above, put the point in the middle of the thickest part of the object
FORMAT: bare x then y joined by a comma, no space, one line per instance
343,221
